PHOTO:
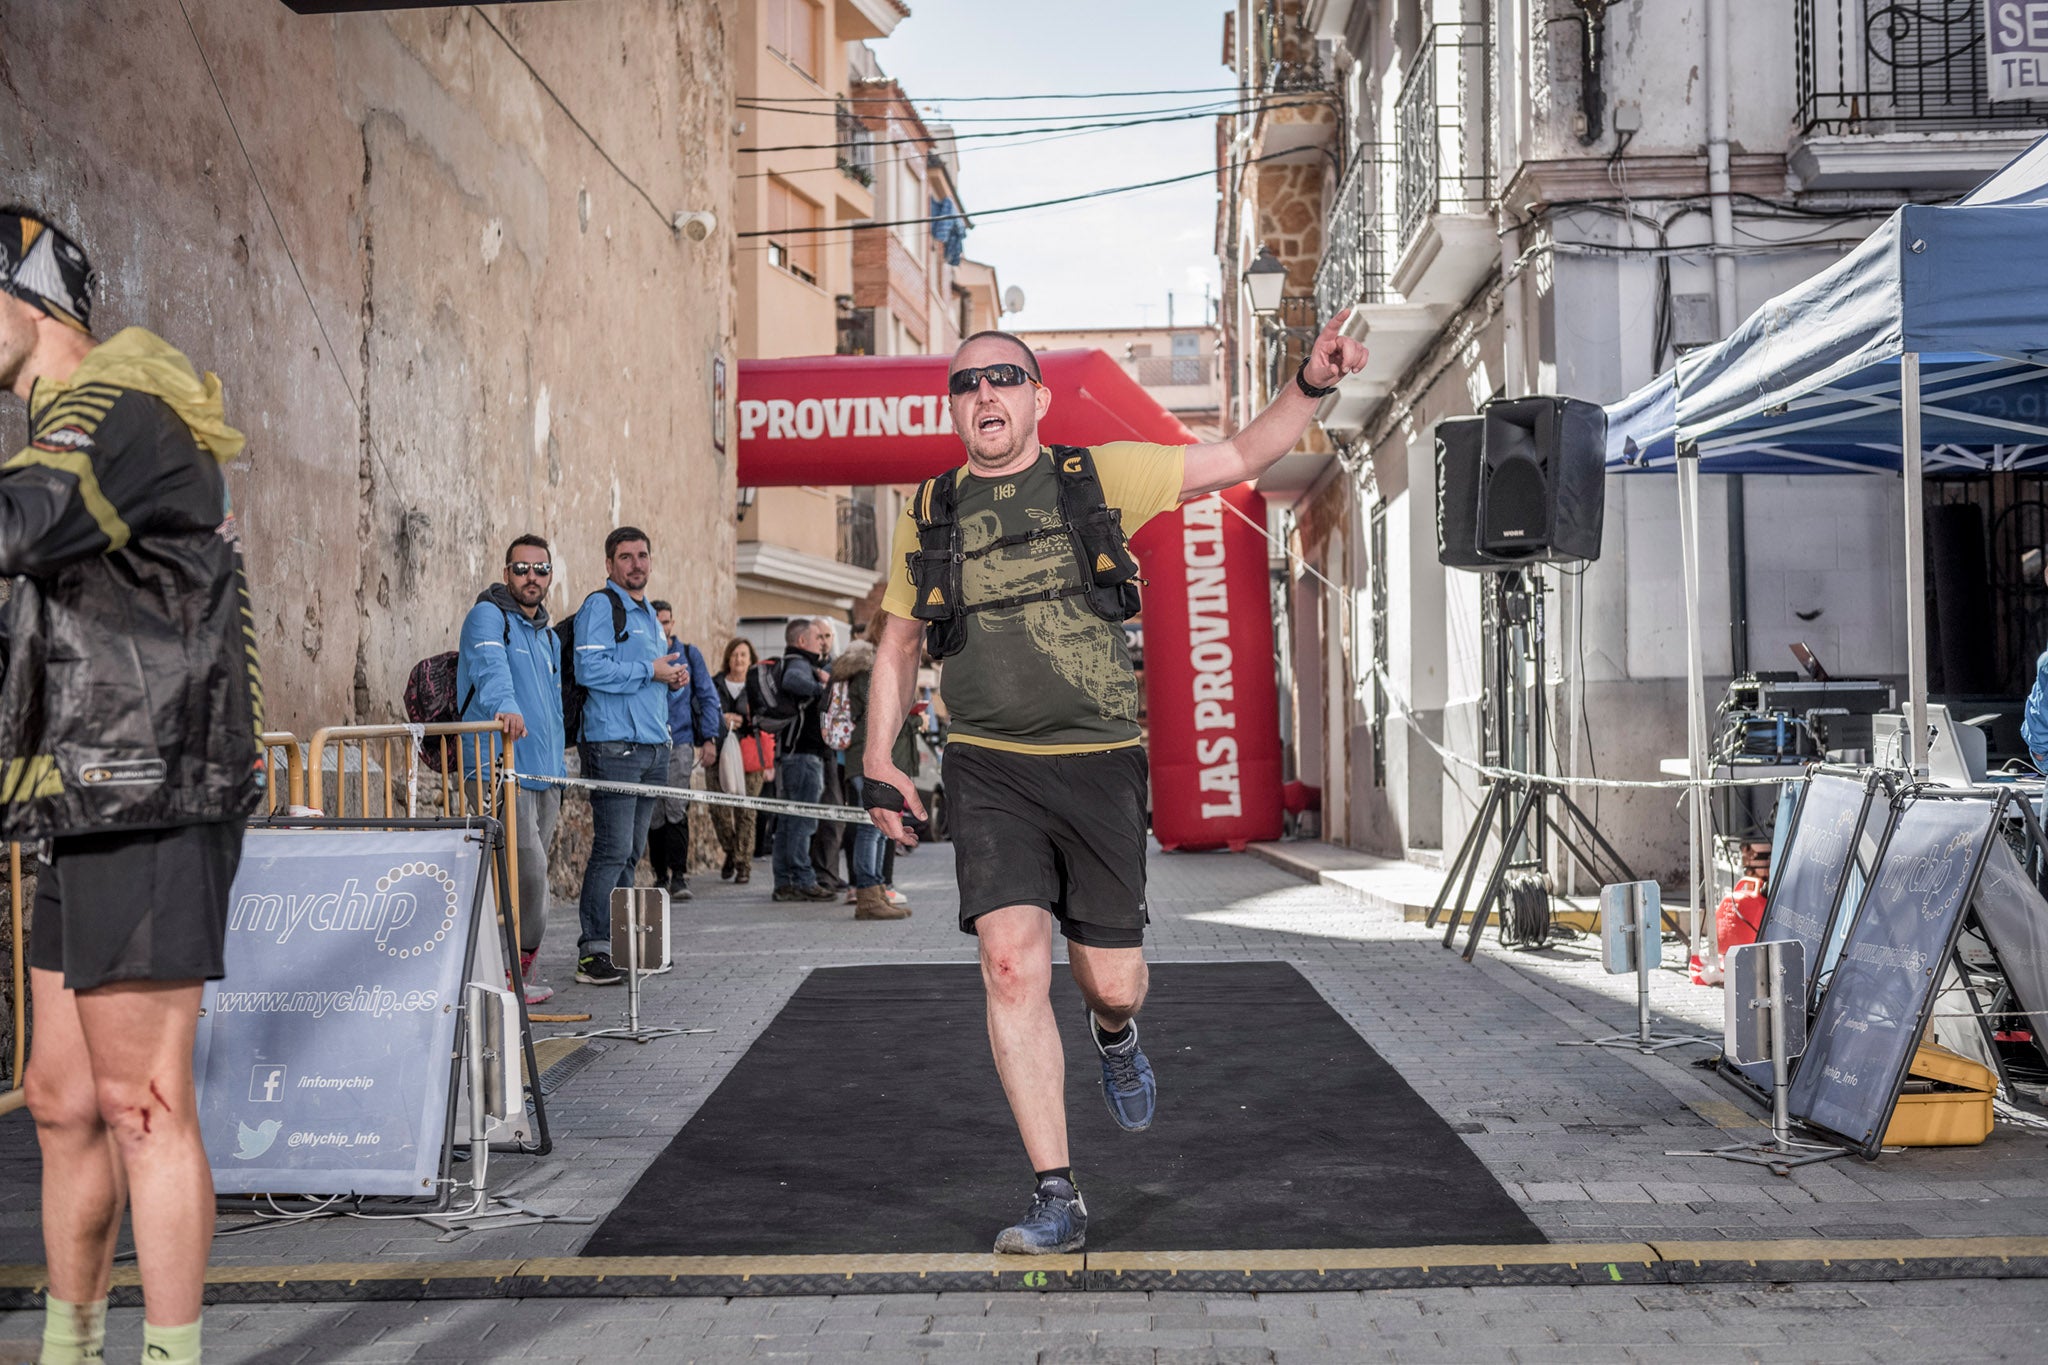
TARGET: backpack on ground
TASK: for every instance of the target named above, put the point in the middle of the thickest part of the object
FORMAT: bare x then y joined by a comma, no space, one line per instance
430,698
574,692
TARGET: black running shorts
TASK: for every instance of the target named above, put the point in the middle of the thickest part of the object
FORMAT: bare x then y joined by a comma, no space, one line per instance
136,905
1065,832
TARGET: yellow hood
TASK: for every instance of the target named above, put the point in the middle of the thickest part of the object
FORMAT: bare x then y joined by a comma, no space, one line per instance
137,358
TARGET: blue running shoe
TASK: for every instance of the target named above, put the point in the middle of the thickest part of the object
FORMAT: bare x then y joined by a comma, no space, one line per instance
1127,1082
1057,1221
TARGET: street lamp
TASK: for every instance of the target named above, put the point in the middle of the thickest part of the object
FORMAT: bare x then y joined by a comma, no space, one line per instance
1266,279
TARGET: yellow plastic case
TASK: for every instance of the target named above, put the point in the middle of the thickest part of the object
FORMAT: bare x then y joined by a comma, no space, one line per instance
1956,1114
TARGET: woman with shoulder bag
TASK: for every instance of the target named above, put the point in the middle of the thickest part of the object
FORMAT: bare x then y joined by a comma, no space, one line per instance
757,759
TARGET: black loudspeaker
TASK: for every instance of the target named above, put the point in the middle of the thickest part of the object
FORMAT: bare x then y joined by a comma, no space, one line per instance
1543,480
1460,454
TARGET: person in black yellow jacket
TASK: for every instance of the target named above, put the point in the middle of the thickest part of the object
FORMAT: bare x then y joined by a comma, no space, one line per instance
130,707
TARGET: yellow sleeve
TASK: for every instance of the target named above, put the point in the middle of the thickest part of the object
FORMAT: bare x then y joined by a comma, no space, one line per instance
901,596
1142,480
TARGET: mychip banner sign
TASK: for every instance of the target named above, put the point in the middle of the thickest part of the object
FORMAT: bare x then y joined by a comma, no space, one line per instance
326,1057
2016,49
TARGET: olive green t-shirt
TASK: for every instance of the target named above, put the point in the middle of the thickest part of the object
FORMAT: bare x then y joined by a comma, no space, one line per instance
1045,677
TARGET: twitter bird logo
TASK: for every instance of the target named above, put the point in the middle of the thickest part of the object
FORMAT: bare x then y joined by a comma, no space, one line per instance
254,1142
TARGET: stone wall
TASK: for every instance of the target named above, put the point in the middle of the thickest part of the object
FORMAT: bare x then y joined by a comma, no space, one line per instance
440,310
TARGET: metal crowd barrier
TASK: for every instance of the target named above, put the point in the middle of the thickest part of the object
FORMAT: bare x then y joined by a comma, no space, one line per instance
280,745
404,780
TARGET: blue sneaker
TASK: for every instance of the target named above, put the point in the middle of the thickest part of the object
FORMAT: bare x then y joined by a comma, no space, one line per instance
1057,1221
1127,1082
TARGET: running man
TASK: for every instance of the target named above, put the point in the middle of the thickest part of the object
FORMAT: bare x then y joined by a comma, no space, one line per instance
1011,570
129,710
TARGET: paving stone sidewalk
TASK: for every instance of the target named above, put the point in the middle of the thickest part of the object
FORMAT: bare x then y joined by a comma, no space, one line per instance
1577,1135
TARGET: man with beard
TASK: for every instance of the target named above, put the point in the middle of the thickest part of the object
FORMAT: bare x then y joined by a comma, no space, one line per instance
622,657
129,711
1014,569
509,669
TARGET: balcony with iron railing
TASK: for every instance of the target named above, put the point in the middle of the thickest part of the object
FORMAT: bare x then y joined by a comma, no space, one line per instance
1354,264
1899,66
856,145
1440,121
1284,58
1172,371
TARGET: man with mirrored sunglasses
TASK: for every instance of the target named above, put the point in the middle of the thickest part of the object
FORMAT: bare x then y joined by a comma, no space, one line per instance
1044,773
508,668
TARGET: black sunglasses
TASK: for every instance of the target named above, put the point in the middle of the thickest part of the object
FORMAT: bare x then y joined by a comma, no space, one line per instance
520,568
1002,376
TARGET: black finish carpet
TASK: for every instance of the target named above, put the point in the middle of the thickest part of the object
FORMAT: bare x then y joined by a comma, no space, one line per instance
867,1119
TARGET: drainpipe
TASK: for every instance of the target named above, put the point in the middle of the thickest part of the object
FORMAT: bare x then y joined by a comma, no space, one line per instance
1719,184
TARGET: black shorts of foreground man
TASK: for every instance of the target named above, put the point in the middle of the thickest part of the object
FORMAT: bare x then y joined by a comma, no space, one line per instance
1015,572
129,712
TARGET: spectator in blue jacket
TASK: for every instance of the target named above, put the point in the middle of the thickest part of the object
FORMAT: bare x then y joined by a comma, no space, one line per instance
629,675
695,723
509,669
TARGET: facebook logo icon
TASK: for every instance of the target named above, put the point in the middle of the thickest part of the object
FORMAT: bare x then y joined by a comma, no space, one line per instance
266,1084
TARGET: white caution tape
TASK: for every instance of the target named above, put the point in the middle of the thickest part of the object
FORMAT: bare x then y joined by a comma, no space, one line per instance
773,805
1399,704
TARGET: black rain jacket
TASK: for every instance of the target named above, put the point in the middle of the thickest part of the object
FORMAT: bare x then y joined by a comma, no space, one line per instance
130,695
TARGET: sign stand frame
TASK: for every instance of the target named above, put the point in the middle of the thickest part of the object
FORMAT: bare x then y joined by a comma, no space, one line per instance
1901,800
1785,990
632,902
447,1183
1643,926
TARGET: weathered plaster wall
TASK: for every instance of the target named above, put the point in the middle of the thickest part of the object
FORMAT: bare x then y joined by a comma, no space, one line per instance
452,320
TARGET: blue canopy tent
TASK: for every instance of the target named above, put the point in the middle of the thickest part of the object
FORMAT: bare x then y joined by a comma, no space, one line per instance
1924,347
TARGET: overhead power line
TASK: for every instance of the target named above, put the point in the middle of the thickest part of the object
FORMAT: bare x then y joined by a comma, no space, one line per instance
968,137
996,99
1040,204
1206,107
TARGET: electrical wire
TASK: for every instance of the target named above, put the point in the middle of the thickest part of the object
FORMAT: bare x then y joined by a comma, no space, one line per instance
1207,107
971,137
319,323
1020,208
667,218
998,99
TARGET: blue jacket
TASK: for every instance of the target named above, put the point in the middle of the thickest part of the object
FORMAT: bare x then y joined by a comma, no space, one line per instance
625,703
509,663
2034,725
694,713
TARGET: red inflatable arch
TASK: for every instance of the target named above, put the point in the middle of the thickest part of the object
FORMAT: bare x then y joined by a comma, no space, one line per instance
1209,684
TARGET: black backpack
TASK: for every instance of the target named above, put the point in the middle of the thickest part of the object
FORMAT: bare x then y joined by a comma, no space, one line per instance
573,692
775,710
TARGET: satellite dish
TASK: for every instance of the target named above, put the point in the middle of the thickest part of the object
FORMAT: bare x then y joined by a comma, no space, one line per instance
1013,300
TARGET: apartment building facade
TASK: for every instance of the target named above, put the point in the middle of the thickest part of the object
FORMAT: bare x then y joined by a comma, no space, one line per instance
870,262
1550,196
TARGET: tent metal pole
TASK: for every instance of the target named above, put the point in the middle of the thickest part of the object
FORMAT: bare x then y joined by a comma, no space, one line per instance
1912,753
1700,819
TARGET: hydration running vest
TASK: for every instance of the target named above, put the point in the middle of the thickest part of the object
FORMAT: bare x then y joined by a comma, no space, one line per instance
1093,528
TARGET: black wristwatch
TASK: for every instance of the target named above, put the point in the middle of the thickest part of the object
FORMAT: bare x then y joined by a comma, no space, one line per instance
1301,382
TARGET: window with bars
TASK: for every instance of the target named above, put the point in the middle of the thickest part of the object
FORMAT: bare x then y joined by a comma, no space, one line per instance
790,247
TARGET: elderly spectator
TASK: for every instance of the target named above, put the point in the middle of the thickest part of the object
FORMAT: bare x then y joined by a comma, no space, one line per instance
800,770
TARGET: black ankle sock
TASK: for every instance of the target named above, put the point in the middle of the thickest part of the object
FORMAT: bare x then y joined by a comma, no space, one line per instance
1105,1037
1065,1173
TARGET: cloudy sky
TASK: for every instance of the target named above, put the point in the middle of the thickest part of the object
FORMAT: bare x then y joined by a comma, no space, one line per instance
1111,262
